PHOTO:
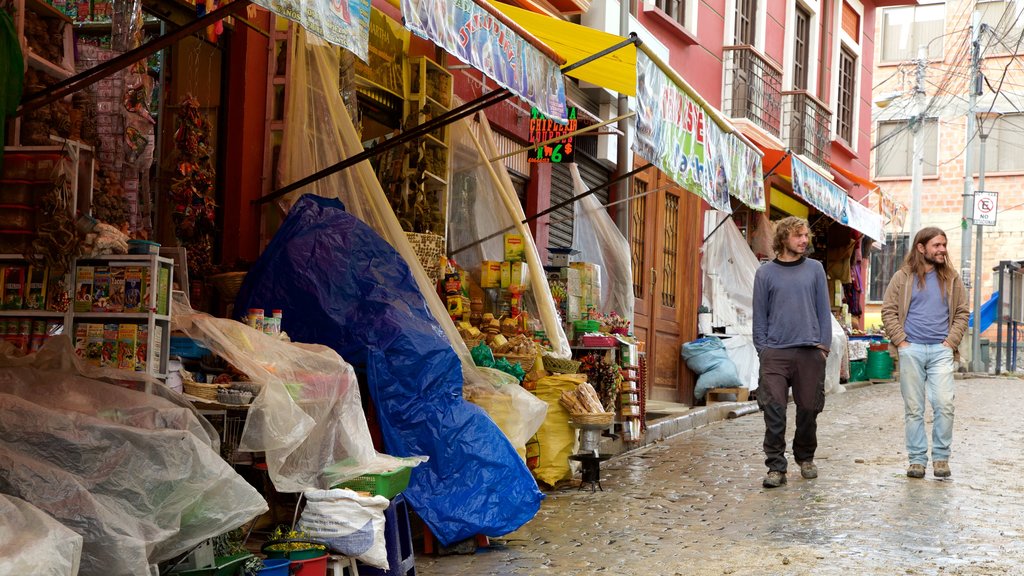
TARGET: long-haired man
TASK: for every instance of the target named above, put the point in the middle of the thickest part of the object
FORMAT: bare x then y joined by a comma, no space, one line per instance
924,312
792,335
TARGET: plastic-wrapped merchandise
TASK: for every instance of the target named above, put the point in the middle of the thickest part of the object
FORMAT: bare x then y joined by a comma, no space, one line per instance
308,418
708,358
599,240
35,543
133,473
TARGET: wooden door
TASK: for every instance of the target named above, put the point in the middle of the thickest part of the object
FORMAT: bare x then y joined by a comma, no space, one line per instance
664,234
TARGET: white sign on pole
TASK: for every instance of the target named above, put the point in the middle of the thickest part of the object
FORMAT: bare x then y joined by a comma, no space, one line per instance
985,204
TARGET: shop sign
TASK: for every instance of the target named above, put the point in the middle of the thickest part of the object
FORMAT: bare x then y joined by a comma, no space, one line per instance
734,169
543,129
819,191
985,205
474,36
388,42
345,23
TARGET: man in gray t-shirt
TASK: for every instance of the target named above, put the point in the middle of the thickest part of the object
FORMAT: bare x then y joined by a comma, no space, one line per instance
792,334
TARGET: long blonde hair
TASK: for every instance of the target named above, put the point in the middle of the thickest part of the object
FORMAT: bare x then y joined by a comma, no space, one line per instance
783,228
916,265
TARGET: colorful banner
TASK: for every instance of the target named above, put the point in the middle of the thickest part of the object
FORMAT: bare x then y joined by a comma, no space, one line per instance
543,129
479,39
676,134
819,191
345,23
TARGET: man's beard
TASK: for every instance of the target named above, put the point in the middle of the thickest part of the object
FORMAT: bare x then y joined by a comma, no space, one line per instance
935,262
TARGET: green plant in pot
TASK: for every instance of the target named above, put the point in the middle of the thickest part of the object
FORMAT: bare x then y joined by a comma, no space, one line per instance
293,545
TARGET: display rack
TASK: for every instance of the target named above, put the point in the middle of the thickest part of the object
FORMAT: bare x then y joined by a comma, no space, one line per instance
146,305
429,95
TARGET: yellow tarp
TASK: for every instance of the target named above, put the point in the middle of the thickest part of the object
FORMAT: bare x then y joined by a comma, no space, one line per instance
615,71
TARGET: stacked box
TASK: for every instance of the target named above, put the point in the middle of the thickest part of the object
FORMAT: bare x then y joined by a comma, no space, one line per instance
142,347
126,346
108,352
83,288
35,292
14,287
100,288
94,343
490,274
163,292
133,289
116,301
515,248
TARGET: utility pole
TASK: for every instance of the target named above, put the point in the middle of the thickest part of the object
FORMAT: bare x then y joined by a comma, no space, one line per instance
968,197
916,125
976,363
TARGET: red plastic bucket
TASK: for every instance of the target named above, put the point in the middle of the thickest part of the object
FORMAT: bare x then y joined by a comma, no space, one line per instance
311,567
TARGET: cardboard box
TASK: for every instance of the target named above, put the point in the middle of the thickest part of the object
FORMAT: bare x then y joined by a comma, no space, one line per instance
133,289
568,277
94,343
108,351
515,247
14,287
126,343
142,348
35,294
115,303
519,275
83,288
100,288
490,274
506,274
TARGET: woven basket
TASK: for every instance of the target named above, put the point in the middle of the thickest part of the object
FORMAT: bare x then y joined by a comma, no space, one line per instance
526,362
605,418
204,391
561,365
228,284
472,342
429,249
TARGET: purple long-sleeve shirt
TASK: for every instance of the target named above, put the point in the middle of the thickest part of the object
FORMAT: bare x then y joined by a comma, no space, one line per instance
791,307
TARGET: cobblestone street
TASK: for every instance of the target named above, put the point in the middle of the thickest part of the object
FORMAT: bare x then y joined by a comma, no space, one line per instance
694,505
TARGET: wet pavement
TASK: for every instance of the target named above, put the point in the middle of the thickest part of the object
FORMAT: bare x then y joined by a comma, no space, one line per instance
693,504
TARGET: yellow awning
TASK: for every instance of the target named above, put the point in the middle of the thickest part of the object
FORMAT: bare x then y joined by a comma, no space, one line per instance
615,71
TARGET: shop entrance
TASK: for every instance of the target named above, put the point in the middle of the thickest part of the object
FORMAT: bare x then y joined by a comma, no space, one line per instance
665,261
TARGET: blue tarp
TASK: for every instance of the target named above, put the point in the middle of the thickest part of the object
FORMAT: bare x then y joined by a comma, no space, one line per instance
988,313
340,284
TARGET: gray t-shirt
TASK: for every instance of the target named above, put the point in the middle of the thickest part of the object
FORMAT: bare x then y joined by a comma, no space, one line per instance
791,306
928,316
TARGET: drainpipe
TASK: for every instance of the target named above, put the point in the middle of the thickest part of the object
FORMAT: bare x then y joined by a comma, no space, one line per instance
622,157
823,47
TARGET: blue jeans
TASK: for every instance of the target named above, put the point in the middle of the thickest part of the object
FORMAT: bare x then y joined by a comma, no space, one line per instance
927,370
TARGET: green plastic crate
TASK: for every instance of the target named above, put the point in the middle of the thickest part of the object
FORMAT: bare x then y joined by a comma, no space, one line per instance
584,326
387,484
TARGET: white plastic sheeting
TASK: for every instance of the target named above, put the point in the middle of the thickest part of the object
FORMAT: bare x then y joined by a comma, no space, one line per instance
319,133
729,267
308,418
599,240
35,543
484,203
133,473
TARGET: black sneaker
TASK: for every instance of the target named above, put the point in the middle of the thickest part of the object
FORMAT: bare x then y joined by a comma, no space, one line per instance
774,479
808,470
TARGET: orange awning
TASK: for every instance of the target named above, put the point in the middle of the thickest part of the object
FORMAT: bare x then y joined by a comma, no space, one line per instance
868,185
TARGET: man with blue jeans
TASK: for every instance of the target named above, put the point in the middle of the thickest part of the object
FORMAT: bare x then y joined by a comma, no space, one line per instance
924,312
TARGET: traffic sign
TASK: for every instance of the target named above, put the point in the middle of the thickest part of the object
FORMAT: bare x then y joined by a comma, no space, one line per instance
985,204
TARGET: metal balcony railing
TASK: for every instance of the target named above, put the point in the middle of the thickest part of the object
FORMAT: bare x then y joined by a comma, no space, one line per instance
805,126
753,88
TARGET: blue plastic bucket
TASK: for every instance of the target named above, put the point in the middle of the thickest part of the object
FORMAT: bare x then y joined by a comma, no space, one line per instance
275,567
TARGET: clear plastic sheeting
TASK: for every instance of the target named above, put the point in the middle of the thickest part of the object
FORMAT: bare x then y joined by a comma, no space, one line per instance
133,473
834,362
483,202
319,133
599,240
35,543
515,410
308,418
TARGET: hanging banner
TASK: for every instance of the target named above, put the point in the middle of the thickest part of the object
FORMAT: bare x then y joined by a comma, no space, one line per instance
473,35
677,135
345,23
819,191
717,170
670,131
865,220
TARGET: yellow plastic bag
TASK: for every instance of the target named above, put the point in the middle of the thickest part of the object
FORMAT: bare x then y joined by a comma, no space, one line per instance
557,438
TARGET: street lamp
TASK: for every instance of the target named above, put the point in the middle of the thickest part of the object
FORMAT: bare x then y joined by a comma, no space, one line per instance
983,131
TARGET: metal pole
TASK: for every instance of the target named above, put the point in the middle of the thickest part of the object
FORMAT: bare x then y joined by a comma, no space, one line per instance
623,159
976,363
916,125
999,320
968,195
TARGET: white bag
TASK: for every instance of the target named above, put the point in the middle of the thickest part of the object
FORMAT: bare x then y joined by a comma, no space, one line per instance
348,523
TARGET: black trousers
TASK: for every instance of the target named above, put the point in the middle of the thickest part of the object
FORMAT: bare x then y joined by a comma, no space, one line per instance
803,370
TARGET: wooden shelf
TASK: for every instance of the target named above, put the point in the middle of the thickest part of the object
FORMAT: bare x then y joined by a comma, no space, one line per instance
32,313
121,316
43,65
46,11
